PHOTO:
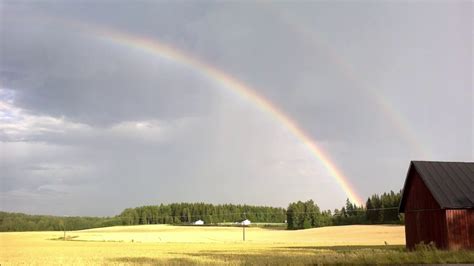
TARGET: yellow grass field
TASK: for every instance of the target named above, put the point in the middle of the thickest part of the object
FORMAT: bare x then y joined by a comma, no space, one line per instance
164,244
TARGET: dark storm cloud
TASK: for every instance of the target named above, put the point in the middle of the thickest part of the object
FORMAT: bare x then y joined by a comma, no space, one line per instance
60,73
373,84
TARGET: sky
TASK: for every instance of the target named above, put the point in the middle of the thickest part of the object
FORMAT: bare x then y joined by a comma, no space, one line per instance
91,122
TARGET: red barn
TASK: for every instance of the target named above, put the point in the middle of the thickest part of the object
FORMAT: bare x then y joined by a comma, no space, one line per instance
438,202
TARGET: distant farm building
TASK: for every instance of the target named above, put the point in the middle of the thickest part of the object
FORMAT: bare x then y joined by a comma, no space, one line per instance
245,222
199,222
438,202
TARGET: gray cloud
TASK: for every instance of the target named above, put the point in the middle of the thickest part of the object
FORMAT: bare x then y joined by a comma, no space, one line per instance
88,126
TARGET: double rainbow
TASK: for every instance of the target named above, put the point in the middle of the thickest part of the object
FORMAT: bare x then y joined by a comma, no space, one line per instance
161,50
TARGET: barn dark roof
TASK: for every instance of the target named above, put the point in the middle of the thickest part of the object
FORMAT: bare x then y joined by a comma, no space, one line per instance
450,183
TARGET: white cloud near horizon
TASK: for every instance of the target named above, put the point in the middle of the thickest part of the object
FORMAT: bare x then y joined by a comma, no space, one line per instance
89,127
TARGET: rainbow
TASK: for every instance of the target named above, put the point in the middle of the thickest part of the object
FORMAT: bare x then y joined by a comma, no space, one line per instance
159,49
381,101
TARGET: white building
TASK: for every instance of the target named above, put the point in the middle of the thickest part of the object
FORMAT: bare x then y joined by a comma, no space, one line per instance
245,222
199,222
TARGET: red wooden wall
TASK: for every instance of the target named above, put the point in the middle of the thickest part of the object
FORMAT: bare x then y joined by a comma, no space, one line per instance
425,221
460,228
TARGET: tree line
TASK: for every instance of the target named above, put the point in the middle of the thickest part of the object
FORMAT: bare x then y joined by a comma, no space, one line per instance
175,213
378,209
25,222
182,213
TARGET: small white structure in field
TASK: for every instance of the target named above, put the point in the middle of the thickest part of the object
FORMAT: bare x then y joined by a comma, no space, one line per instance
199,222
245,222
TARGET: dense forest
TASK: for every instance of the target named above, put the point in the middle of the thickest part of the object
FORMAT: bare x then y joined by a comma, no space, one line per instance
175,213
182,213
26,222
379,209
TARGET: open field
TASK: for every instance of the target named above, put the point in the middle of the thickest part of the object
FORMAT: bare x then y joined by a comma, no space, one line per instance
157,244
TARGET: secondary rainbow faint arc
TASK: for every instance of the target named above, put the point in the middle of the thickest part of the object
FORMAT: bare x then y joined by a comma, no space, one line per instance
347,69
159,49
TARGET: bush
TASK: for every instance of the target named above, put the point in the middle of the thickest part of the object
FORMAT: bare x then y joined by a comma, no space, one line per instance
422,247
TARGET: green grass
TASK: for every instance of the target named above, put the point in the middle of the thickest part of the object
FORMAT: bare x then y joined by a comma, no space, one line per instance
311,255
